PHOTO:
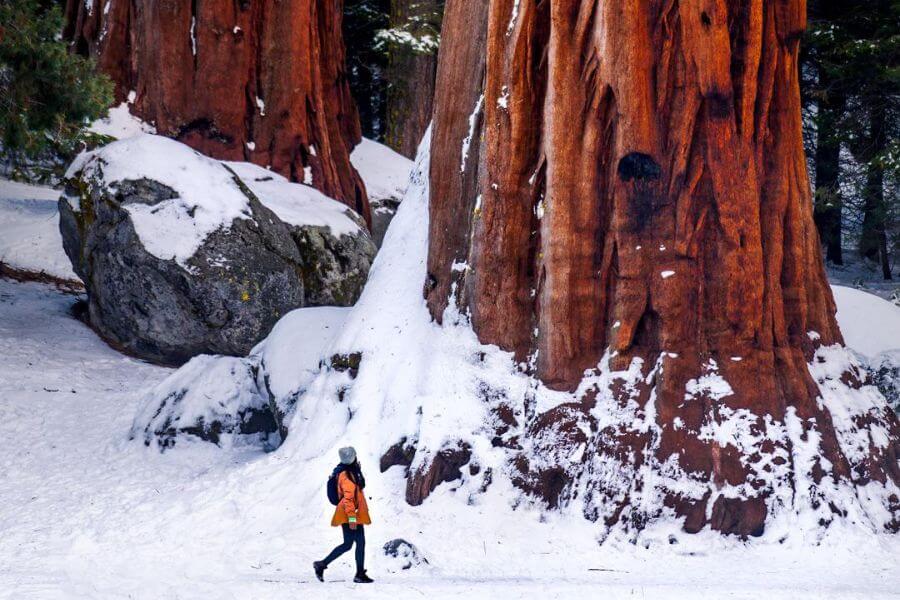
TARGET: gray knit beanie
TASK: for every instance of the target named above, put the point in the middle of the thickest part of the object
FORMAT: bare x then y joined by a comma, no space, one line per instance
348,455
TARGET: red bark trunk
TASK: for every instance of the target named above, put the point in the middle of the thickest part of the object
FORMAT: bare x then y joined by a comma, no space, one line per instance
643,192
254,81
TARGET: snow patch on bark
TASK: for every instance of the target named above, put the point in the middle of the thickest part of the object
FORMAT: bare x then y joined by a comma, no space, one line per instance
473,120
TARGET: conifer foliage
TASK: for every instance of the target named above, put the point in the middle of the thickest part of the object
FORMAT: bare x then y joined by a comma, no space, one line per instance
46,92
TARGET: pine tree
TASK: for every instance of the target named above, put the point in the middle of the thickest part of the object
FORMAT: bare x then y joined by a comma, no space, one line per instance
854,51
46,93
367,62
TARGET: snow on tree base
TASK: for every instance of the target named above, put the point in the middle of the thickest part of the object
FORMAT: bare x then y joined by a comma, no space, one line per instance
426,389
886,376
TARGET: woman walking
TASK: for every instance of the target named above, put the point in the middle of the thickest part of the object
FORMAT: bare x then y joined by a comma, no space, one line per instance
346,486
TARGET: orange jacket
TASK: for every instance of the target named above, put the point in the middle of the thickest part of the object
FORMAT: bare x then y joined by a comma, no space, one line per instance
352,503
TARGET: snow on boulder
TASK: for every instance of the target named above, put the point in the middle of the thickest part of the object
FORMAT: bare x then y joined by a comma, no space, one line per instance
180,256
216,398
290,357
403,555
213,398
386,175
336,249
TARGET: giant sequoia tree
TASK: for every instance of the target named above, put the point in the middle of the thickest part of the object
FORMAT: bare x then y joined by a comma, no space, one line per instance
257,81
619,197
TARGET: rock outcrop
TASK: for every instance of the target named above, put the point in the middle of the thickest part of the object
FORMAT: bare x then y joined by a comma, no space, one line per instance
404,555
180,257
226,400
262,82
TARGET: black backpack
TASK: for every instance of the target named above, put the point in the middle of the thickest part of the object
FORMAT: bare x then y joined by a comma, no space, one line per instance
331,488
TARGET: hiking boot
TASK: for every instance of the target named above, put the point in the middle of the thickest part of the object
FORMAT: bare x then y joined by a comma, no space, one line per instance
361,577
319,568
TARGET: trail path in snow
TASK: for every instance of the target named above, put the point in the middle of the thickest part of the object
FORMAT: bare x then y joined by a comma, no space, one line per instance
85,513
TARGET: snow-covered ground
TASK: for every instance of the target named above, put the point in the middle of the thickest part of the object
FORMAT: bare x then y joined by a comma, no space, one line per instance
29,230
86,513
384,171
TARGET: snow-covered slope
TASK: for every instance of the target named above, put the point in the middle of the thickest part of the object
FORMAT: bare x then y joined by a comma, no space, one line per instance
870,324
384,171
29,230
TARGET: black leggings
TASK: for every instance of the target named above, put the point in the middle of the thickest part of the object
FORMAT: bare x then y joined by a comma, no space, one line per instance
358,536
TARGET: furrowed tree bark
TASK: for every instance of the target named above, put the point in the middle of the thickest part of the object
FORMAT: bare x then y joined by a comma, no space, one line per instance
255,81
636,227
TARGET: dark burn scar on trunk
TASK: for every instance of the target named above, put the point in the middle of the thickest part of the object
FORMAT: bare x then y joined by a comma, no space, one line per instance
638,166
719,104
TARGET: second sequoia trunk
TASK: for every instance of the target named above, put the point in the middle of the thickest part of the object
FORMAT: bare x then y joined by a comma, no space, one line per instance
250,81
412,56
619,197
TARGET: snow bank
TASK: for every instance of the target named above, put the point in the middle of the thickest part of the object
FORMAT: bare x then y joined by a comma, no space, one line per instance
407,362
29,230
292,353
295,203
870,324
207,197
385,172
